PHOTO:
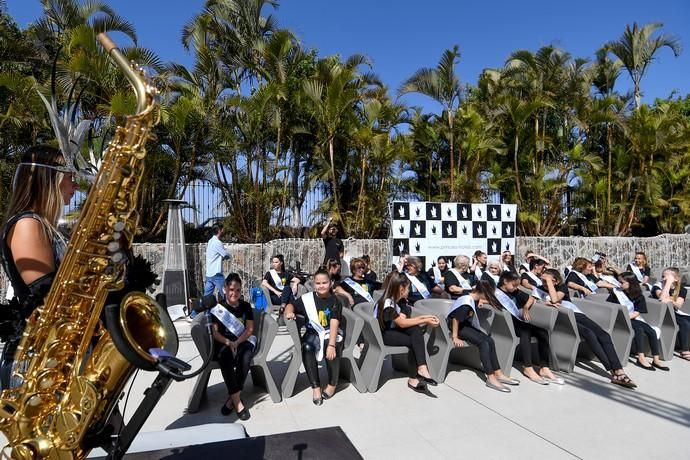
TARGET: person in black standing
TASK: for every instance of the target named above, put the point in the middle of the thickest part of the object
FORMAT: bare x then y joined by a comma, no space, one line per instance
333,245
234,333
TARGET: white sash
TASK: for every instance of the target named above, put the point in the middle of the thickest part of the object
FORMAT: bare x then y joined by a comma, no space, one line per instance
418,285
492,276
610,279
358,289
231,323
534,278
542,295
588,284
461,280
636,270
309,302
478,272
509,304
466,300
438,278
276,279
623,299
525,267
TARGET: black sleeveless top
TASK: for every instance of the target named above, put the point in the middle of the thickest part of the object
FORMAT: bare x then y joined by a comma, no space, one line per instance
22,291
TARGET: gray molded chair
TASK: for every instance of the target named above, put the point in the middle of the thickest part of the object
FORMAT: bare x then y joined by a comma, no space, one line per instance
564,338
661,315
615,320
377,351
352,328
493,322
267,295
288,385
349,368
266,329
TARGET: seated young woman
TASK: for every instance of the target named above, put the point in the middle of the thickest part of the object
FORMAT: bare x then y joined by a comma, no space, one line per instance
464,325
554,293
280,284
370,274
438,272
531,279
356,288
581,278
518,303
493,272
508,262
399,328
670,290
421,286
479,263
323,337
529,257
333,268
233,328
630,295
459,280
640,267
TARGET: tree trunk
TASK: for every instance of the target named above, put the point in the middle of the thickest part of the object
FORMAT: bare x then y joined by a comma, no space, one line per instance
450,145
336,201
517,170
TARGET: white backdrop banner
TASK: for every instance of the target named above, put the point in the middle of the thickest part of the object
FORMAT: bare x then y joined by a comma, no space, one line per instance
429,230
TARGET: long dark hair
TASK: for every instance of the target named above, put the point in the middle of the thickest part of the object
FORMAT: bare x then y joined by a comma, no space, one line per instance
634,290
487,288
282,261
392,286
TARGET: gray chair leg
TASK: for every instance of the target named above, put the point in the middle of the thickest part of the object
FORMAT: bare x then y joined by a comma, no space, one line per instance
564,341
503,333
261,373
348,364
199,390
288,384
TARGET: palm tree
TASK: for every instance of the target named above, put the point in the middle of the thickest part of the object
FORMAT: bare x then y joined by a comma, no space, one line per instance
637,48
443,85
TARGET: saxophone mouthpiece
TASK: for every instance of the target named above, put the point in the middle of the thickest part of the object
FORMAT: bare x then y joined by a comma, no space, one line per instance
107,43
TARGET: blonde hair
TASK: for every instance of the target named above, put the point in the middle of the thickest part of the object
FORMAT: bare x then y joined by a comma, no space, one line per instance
37,188
460,260
676,284
580,263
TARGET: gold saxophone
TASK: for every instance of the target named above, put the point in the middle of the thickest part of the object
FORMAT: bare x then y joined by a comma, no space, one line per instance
69,388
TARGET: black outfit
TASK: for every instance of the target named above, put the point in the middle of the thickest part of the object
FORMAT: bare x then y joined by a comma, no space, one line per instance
286,295
415,295
451,280
645,271
641,328
334,247
529,279
525,331
235,367
366,285
682,320
411,337
487,277
598,340
574,278
371,277
487,348
27,297
332,308
430,274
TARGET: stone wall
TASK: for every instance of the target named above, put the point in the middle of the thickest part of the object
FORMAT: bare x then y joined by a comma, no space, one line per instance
251,261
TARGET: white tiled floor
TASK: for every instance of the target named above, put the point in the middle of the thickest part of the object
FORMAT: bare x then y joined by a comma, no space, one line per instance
586,418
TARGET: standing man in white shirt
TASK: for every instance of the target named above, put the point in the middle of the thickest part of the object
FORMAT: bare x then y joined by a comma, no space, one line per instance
215,253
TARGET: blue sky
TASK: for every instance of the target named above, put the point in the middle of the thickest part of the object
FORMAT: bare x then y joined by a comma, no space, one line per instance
402,36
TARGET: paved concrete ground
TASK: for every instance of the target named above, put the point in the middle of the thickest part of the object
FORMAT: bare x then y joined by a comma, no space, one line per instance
586,418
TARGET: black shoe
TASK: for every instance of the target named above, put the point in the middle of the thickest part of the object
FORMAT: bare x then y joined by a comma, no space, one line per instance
660,367
419,388
647,368
244,414
428,380
326,396
225,410
318,401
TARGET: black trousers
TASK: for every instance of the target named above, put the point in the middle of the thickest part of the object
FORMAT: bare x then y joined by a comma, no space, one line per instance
6,362
235,367
310,341
643,330
599,341
525,331
412,338
486,345
683,331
